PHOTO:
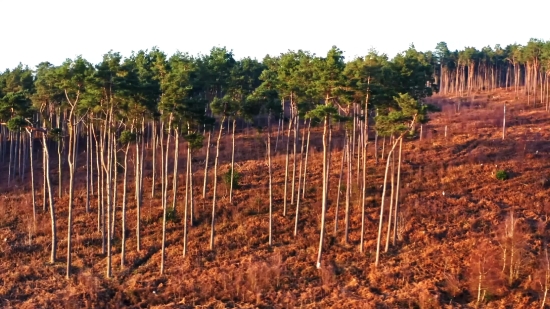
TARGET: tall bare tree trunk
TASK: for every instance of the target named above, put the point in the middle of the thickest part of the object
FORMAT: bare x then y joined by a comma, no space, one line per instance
176,159
348,187
88,169
338,189
390,212
115,187
154,144
44,181
305,163
109,185
383,200
215,184
71,160
165,197
124,190
191,199
298,195
296,131
32,177
397,193
50,196
286,162
270,180
325,190
232,162
187,183
206,165
363,197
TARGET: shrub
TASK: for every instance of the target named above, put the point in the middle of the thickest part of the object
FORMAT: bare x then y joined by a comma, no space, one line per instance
171,214
502,175
236,177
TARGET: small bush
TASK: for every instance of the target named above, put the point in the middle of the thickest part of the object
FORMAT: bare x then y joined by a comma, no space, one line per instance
236,177
502,175
171,214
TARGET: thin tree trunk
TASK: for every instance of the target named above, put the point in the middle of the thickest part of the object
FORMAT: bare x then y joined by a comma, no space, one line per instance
124,190
504,122
340,184
382,204
390,212
187,182
363,198
165,197
348,187
71,160
88,172
137,180
176,159
59,163
305,163
108,183
270,181
397,193
286,164
232,162
114,186
206,165
44,181
32,178
50,195
298,198
215,185
154,144
296,131
325,189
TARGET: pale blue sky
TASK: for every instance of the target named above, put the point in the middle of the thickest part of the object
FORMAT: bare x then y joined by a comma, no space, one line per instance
53,30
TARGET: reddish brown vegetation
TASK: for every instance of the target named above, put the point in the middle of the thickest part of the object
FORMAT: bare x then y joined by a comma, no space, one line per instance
445,240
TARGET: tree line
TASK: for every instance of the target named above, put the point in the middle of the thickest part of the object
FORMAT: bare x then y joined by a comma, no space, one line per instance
523,68
114,115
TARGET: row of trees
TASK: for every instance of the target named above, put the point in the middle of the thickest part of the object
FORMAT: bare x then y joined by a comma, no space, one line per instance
148,104
524,68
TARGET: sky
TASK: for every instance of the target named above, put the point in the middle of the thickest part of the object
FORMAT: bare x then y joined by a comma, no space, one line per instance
33,31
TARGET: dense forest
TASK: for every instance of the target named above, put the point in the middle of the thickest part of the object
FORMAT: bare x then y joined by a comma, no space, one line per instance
103,128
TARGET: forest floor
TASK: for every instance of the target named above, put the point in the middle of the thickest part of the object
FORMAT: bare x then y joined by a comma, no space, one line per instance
453,219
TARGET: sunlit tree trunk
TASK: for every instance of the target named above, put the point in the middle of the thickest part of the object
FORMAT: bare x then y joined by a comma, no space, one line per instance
298,195
338,189
50,195
397,193
176,159
390,212
206,165
383,200
154,144
296,131
215,184
348,188
305,162
124,190
165,197
88,170
232,162
187,185
32,176
325,191
286,160
270,180
71,160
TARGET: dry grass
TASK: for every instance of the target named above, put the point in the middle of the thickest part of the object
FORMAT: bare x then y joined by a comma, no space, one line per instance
431,266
